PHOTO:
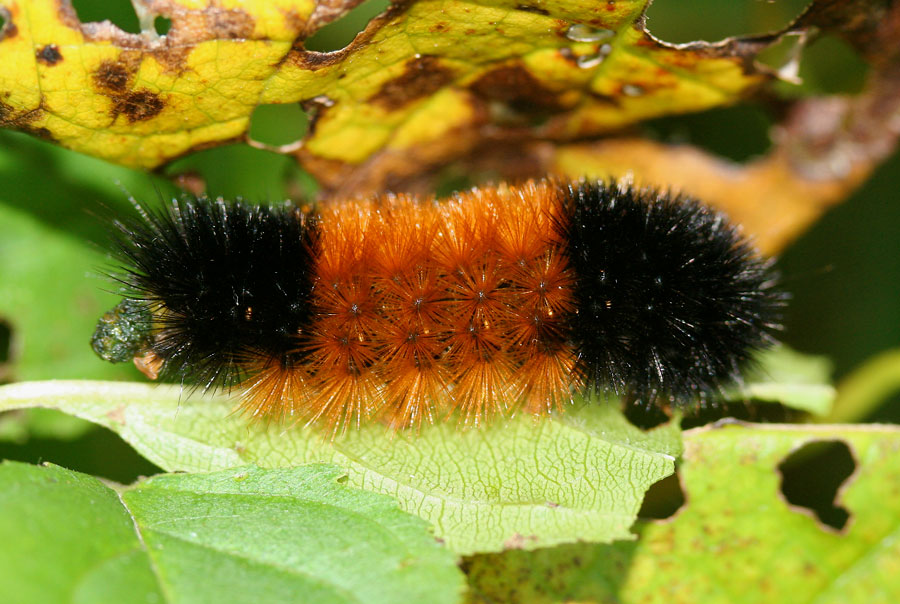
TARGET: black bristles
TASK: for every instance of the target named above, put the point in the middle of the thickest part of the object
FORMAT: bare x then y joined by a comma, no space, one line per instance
671,300
222,280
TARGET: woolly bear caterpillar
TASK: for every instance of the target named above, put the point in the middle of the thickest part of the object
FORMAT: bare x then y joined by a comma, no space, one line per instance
495,300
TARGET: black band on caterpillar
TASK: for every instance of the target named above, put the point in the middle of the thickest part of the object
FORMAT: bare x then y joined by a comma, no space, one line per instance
671,299
224,282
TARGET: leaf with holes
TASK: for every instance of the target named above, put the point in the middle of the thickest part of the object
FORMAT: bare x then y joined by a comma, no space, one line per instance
521,483
426,81
243,535
738,538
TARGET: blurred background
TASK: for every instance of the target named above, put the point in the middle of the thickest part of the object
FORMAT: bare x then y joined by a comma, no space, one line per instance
843,274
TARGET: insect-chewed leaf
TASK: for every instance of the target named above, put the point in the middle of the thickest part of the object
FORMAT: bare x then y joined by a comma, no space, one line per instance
419,84
737,538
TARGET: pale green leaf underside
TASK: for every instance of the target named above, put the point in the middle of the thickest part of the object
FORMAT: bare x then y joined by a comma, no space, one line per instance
523,483
242,535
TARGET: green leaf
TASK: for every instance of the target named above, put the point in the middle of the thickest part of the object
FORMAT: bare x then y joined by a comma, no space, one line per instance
49,300
736,539
67,538
796,380
867,387
523,483
243,535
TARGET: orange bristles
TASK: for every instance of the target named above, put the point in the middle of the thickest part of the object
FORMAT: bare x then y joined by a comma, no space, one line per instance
423,308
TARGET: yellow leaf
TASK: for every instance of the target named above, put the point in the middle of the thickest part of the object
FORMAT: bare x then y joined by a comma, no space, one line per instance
425,82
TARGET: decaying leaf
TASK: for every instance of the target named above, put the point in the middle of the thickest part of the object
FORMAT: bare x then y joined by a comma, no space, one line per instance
425,80
428,82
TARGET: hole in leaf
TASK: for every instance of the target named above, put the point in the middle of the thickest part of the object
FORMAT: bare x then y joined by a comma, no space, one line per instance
738,133
3,18
761,412
120,12
162,25
7,354
6,340
679,21
278,124
338,34
645,417
663,499
831,66
812,475
240,171
783,57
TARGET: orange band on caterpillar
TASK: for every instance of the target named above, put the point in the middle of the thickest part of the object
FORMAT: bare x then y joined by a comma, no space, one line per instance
496,300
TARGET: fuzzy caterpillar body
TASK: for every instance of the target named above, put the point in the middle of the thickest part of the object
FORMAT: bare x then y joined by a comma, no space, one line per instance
496,300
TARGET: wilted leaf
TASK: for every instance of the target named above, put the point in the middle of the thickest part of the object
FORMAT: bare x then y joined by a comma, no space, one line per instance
245,535
429,82
425,82
517,484
736,539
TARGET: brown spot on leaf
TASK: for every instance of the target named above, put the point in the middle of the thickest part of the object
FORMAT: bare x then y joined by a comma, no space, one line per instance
518,541
138,105
515,86
173,57
114,76
295,20
114,80
22,121
49,55
229,24
41,133
422,77
117,415
439,28
9,29
529,8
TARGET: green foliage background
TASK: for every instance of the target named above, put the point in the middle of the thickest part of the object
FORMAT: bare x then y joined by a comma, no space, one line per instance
844,273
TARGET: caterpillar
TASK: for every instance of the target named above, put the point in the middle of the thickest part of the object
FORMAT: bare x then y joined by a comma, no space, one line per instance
396,309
